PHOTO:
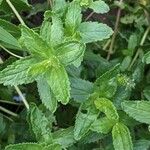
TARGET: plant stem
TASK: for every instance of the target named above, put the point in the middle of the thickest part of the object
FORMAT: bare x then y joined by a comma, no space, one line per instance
10,52
50,3
89,16
15,12
115,33
9,102
8,111
22,97
139,49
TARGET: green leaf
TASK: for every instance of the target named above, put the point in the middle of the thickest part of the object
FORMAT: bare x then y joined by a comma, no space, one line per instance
59,6
83,2
24,146
121,137
11,28
106,85
57,31
46,95
45,31
17,72
52,31
73,17
2,124
107,107
40,125
7,38
94,31
39,68
69,52
146,92
146,58
64,137
1,1
53,147
34,43
80,89
142,145
61,86
83,123
133,42
139,110
102,125
99,6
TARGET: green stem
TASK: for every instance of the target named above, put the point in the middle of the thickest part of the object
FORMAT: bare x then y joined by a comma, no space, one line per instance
17,56
15,12
8,111
89,16
9,102
22,97
139,49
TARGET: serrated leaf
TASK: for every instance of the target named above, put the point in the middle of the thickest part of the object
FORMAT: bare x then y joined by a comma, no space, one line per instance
24,146
73,17
107,107
52,31
34,43
121,137
80,89
58,80
7,38
64,137
102,125
83,123
139,110
17,72
46,94
45,31
57,31
39,124
99,6
59,6
69,52
94,31
53,147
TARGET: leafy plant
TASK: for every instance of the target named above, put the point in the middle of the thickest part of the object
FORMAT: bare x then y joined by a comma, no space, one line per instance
83,85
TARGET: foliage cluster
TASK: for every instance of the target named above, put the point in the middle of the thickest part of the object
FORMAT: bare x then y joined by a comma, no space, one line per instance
84,82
